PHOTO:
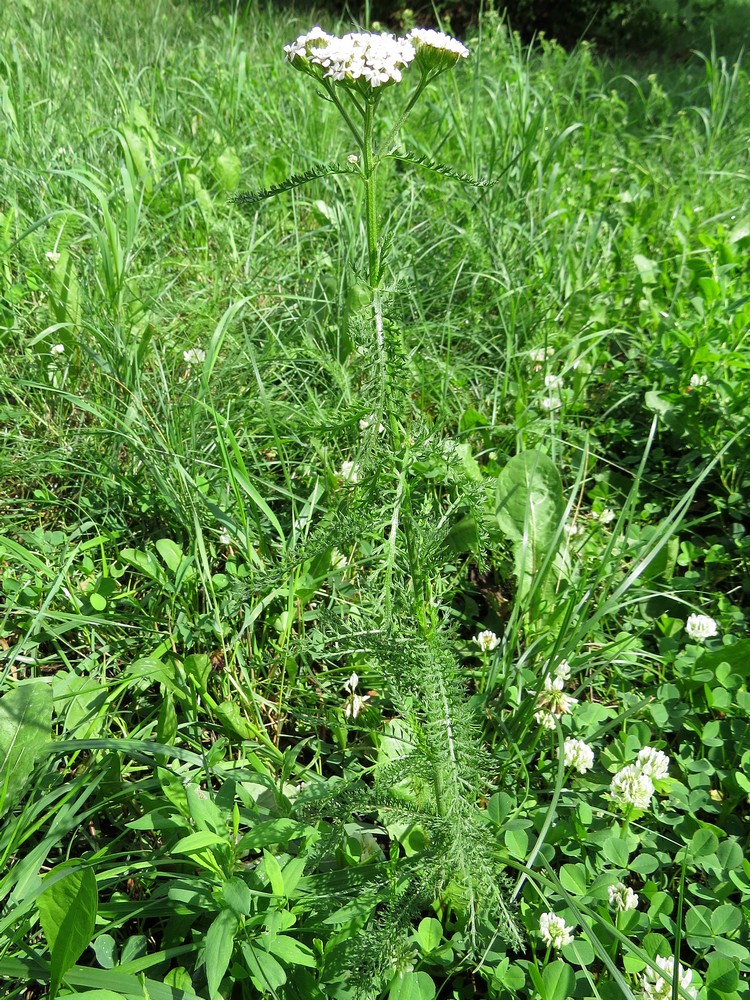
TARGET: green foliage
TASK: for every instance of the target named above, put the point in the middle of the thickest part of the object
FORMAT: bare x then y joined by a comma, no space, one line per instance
219,508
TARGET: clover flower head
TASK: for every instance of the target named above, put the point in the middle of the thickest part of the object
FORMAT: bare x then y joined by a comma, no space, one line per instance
554,700
550,403
622,897
554,931
544,718
571,530
553,381
631,787
435,50
350,472
658,985
701,627
578,755
355,702
486,640
606,516
562,670
57,349
540,354
194,356
696,381
653,763
53,257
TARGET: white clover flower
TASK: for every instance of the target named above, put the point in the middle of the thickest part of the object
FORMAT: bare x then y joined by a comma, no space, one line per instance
658,986
338,559
553,382
487,641
544,718
622,897
53,257
607,516
225,538
57,349
355,702
194,356
554,699
653,763
554,931
631,787
571,530
578,755
562,670
541,354
350,472
696,381
436,51
551,403
700,627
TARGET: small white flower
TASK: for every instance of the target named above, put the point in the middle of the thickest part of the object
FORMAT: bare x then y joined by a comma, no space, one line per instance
578,755
225,538
487,641
57,349
194,356
338,559
653,763
631,787
544,718
553,699
607,516
700,627
53,257
353,159
350,472
554,931
551,403
355,702
562,670
658,985
553,381
571,530
698,380
435,50
622,897
375,60
541,354
367,422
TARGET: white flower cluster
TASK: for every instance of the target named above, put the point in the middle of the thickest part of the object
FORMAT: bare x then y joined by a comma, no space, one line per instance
633,785
375,60
355,702
658,985
552,700
701,627
554,931
578,755
486,640
622,897
194,356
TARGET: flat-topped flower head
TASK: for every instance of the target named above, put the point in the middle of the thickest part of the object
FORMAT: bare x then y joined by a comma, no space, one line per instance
436,51
367,60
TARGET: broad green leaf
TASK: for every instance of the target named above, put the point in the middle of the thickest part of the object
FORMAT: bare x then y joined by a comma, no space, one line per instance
573,878
67,911
264,970
558,980
430,934
170,552
274,831
412,986
237,896
291,951
274,874
25,728
105,951
722,975
228,169
219,948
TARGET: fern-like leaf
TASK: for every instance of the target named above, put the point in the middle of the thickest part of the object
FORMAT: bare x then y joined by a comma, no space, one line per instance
441,168
251,198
